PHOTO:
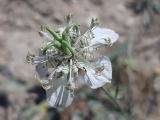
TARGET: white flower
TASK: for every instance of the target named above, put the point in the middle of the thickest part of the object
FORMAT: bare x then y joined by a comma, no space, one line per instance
61,73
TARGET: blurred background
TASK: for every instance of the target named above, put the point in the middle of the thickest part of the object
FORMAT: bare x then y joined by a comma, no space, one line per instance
135,90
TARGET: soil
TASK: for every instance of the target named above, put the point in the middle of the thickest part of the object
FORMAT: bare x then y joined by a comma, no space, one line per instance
20,21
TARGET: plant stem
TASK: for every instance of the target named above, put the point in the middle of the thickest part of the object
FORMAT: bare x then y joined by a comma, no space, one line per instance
112,99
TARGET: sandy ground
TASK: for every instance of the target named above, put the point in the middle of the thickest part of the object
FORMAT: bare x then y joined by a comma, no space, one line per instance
20,21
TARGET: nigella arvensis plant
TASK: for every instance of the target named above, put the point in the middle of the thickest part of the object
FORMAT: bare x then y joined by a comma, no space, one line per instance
68,59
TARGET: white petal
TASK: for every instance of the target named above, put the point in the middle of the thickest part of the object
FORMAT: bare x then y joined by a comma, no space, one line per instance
60,98
42,71
50,81
103,34
96,80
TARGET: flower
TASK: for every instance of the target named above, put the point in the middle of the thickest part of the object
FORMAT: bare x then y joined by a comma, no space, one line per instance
68,60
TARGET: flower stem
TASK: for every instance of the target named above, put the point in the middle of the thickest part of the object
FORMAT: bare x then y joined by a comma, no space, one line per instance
112,99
